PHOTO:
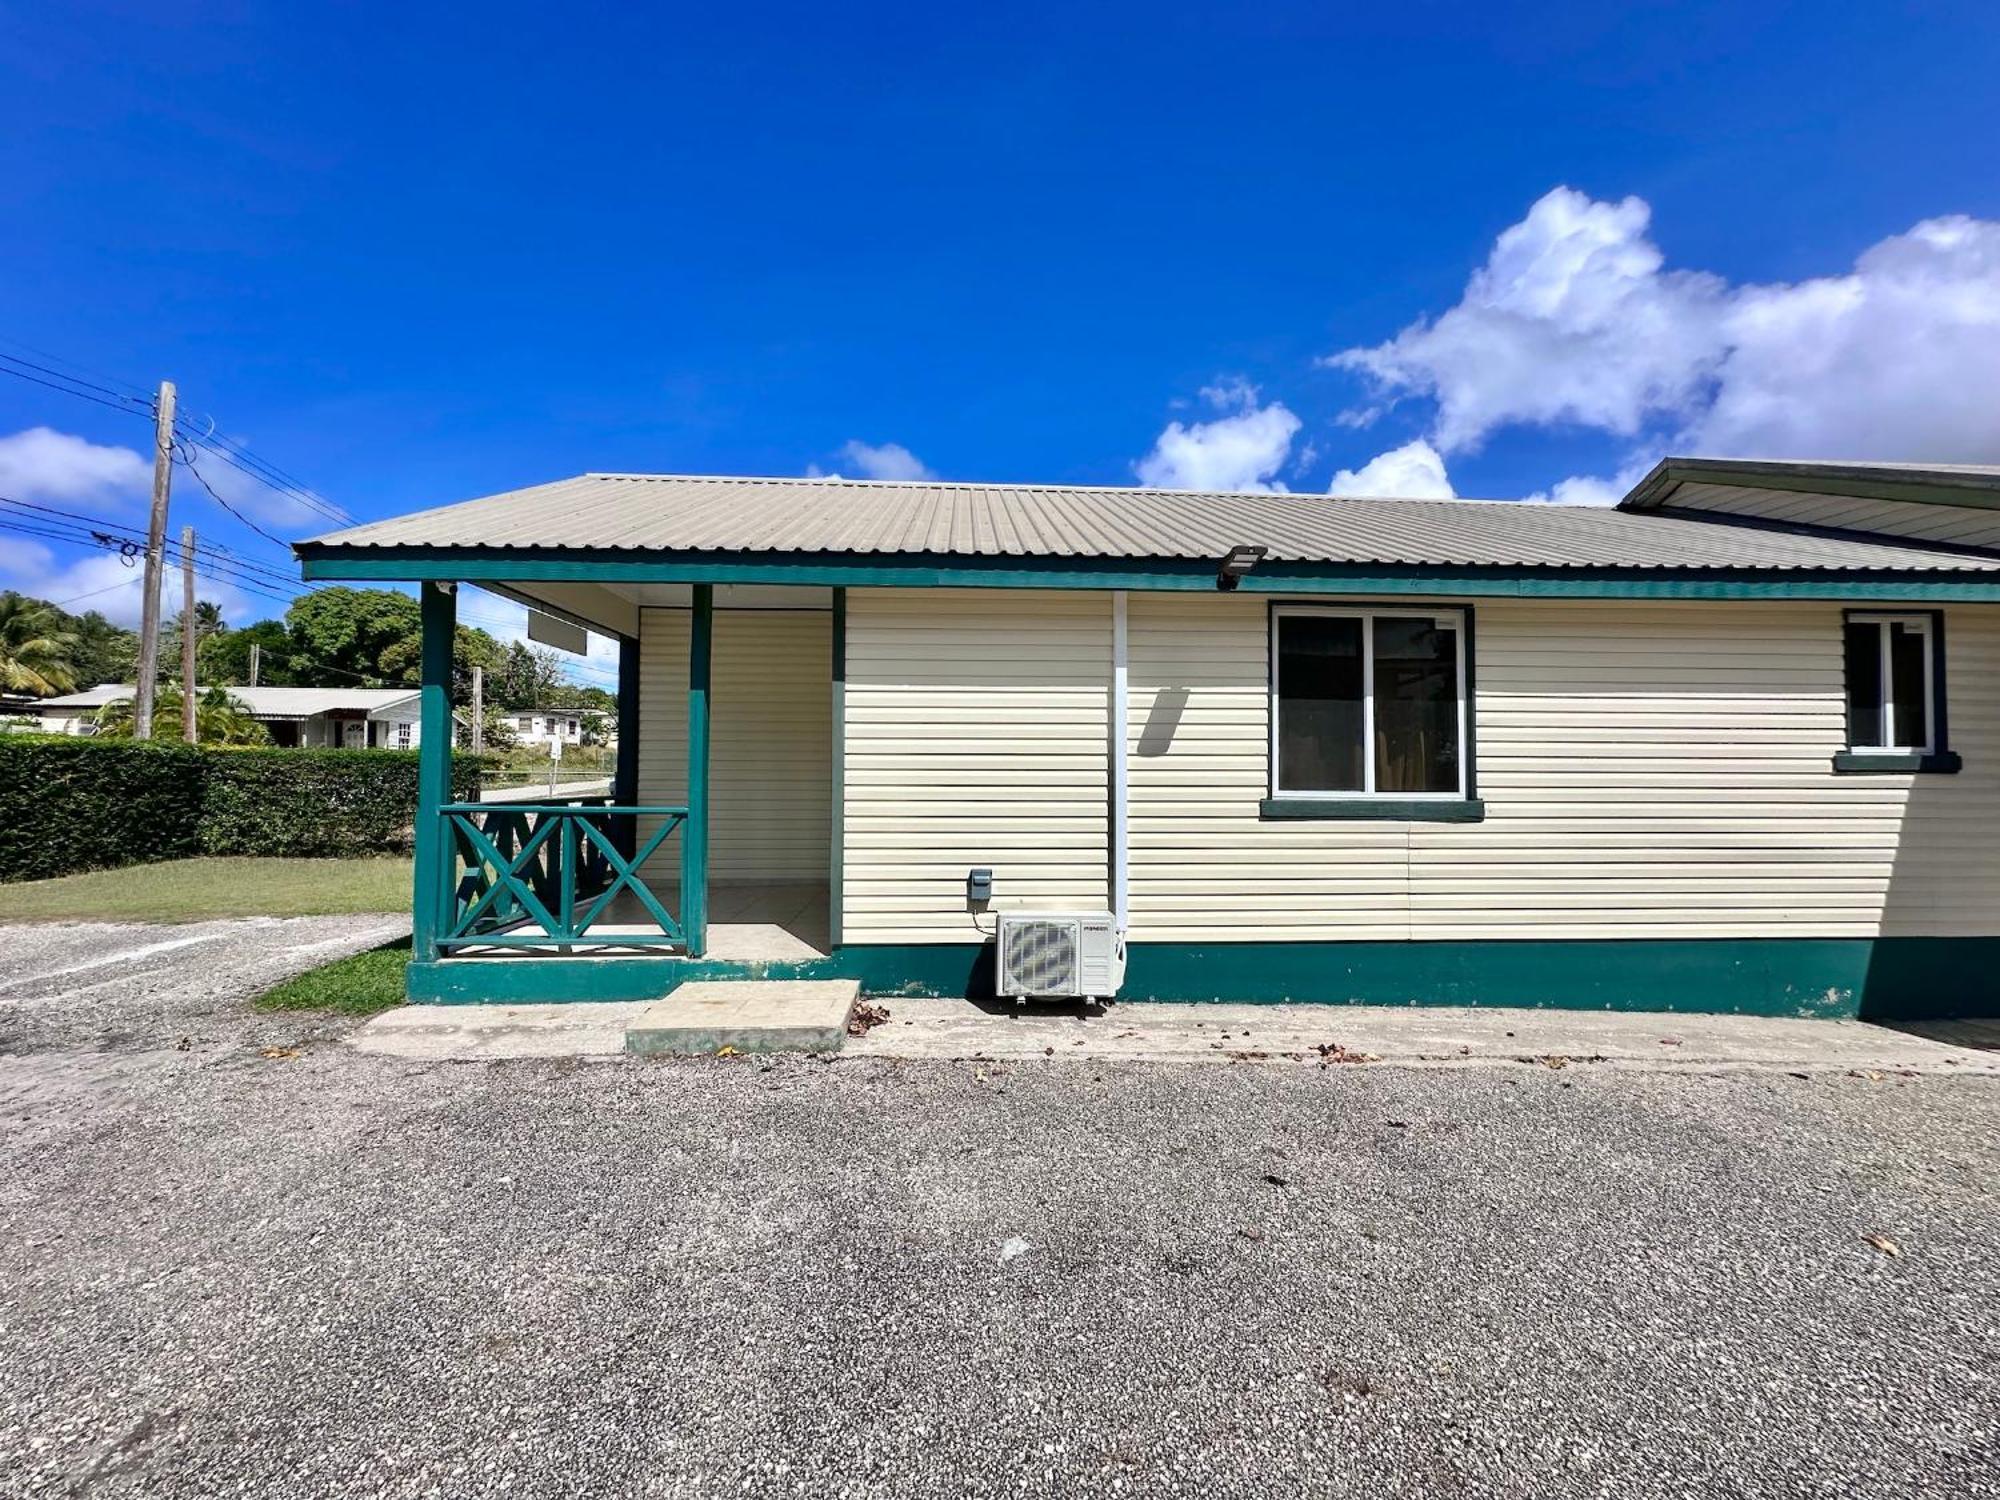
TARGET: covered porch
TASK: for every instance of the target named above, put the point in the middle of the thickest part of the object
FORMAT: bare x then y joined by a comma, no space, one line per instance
674,872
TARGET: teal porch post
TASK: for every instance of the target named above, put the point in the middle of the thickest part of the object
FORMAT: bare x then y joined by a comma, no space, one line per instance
625,771
694,836
433,852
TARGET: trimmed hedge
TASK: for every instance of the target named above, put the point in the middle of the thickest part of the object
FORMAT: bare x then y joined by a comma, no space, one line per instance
314,803
86,804
72,804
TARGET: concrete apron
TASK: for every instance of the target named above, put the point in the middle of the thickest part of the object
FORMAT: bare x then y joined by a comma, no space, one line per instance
1273,1034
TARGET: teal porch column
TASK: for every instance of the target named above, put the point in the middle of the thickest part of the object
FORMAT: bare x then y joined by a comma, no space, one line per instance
434,861
694,836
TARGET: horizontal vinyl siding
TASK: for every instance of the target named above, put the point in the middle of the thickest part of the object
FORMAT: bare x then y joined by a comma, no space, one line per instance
1966,525
975,736
1649,770
770,738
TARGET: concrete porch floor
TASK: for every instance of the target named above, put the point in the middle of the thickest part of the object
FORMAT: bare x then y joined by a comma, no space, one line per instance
747,923
1235,1034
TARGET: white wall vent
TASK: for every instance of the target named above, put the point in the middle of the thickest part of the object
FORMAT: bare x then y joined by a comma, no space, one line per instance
1059,954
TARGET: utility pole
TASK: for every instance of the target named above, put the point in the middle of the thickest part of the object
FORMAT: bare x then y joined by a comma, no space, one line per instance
156,548
256,651
188,730
478,709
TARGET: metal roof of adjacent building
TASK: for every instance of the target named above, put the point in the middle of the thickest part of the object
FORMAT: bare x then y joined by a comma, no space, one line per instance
263,702
673,514
1930,484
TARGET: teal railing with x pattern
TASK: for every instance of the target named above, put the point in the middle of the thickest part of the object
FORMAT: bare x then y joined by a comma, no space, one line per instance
533,874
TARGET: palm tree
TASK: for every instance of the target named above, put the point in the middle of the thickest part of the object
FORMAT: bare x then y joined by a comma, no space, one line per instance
219,719
36,652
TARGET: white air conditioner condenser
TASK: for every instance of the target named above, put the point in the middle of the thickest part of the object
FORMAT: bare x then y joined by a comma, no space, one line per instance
1059,955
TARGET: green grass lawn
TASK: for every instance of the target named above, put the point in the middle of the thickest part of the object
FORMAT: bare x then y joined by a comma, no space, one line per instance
199,890
358,985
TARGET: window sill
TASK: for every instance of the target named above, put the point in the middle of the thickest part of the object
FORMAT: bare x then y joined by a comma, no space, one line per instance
1942,762
1381,809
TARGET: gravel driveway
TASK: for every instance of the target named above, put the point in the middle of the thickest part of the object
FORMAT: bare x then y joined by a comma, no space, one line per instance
224,1272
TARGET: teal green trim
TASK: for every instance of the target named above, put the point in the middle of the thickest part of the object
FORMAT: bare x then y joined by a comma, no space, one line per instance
475,565
1382,809
694,839
562,981
1875,979
1943,763
433,878
837,838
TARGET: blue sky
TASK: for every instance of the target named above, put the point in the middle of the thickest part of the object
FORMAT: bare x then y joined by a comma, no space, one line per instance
413,255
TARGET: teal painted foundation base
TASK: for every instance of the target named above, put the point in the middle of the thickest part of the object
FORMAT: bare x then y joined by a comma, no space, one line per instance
1872,978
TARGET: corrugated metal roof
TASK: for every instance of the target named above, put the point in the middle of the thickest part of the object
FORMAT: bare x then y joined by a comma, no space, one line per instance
263,702
1933,484
641,513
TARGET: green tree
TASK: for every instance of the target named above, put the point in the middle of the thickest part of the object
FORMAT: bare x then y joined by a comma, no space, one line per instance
225,658
105,652
376,635
37,652
527,677
208,625
218,718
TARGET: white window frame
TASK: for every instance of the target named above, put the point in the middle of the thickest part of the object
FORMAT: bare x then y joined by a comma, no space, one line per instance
1883,620
1368,616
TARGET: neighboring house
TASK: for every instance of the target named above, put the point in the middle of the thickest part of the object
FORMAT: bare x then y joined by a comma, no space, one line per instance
311,717
1734,746
543,726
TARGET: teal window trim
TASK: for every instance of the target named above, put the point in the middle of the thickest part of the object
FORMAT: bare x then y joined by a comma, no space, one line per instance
1863,762
1378,809
320,563
1938,758
1468,739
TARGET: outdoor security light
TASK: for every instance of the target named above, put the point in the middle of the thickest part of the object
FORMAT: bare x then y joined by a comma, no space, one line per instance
1241,559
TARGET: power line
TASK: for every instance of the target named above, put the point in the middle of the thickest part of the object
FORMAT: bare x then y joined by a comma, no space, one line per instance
111,533
187,457
104,524
91,594
267,474
141,392
230,450
68,389
212,569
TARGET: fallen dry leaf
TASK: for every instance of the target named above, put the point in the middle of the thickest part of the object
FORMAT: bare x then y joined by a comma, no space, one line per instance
280,1054
1337,1052
866,1015
1883,1243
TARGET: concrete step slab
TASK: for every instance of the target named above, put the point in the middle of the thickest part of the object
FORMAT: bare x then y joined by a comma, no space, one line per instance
746,1015
455,1033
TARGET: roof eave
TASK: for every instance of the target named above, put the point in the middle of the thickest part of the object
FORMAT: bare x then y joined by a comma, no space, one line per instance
913,570
1862,481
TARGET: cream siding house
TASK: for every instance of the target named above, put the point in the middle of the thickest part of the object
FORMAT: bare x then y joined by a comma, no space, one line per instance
1682,756
302,717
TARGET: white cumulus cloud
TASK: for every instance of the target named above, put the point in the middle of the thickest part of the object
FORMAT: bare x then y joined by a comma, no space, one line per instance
40,463
1898,359
1414,471
1242,448
881,461
1576,320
